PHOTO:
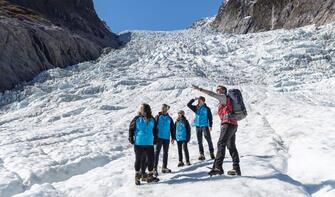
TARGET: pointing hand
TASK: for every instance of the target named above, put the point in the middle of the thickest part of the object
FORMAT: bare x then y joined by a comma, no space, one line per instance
195,87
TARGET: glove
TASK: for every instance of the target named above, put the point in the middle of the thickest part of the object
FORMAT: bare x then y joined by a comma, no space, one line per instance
131,140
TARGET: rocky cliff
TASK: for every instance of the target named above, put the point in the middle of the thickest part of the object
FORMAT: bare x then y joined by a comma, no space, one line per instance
36,35
244,16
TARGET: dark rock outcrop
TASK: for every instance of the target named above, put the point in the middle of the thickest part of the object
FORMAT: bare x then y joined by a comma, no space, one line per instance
244,16
36,35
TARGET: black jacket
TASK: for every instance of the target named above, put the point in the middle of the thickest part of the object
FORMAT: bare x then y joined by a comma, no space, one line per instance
187,125
132,128
172,127
194,108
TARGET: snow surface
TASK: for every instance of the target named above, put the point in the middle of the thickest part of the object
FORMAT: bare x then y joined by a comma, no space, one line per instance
65,133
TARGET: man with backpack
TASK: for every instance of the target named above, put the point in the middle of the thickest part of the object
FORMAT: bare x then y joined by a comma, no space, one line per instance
229,114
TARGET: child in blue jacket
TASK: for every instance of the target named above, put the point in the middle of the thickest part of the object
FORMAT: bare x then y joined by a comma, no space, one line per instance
183,136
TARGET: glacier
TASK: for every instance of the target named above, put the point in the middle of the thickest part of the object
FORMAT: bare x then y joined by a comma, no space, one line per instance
65,133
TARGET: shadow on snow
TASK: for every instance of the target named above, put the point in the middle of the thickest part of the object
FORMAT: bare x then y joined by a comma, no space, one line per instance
183,176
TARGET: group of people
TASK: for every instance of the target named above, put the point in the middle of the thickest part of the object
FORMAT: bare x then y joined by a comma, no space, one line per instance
150,135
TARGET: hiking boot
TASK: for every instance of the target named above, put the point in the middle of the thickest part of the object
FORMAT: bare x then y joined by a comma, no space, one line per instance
151,178
155,172
180,164
144,177
212,156
236,171
216,171
201,157
137,178
166,170
188,163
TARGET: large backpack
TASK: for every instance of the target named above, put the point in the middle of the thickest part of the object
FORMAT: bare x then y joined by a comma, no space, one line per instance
240,112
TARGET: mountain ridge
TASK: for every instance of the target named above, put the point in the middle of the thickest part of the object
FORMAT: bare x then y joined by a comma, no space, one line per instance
248,16
37,35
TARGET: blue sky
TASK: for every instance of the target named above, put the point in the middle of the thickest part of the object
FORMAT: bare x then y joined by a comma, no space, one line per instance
154,14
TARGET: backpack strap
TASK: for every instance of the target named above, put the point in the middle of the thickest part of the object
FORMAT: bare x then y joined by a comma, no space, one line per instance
229,106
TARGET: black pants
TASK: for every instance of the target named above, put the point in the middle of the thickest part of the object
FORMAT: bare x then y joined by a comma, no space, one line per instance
183,145
204,131
227,139
165,144
144,164
144,157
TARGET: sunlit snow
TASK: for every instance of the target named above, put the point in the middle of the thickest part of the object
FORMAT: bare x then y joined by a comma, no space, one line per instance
65,133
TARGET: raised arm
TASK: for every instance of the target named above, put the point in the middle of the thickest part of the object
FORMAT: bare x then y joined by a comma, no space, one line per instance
192,107
208,92
222,98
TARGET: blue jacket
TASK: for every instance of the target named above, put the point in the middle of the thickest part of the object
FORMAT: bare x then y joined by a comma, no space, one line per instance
183,130
143,132
165,126
203,115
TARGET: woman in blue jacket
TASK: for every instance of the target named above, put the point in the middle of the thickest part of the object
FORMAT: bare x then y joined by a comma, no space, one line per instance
143,135
183,136
165,133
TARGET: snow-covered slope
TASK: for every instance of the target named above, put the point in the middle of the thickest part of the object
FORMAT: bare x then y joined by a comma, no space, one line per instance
66,133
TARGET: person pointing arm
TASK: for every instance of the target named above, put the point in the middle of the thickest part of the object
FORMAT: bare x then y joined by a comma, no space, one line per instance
220,94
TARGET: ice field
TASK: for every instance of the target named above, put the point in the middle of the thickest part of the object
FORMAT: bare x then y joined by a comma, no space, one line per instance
66,133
